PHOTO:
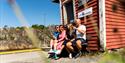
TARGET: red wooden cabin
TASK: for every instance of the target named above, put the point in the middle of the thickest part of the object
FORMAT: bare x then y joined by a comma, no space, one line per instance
105,20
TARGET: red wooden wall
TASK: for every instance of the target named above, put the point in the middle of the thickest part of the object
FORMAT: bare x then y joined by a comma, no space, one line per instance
93,41
115,24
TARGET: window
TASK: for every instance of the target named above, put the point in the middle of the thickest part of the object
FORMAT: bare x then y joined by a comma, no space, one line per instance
82,2
114,7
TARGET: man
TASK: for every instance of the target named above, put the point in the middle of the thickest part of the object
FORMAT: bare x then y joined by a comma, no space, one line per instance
80,38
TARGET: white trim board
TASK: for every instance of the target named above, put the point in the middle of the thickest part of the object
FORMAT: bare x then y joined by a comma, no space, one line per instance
60,3
102,24
74,8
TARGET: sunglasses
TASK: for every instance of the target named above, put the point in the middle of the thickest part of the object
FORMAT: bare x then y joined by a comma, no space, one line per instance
57,27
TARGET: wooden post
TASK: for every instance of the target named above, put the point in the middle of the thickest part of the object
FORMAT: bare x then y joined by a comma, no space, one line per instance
74,9
102,24
61,11
85,6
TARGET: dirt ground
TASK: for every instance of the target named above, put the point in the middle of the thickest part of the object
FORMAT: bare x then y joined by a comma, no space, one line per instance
41,57
78,60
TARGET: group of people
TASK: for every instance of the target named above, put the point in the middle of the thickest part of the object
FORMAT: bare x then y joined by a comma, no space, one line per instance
69,36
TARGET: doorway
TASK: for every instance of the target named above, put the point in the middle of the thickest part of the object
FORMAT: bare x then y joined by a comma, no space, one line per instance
68,12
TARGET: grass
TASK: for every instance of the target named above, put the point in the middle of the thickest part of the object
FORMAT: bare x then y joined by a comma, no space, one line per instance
113,57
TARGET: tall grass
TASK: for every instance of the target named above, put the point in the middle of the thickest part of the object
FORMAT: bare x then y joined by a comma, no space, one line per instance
114,57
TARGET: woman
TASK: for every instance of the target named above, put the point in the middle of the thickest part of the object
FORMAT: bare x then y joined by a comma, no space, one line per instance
61,39
72,36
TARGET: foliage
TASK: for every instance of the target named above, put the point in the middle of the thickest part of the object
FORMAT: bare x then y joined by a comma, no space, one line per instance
36,26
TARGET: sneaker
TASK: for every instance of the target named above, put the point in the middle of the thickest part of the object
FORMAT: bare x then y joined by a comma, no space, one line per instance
78,55
51,51
54,51
70,55
58,52
56,57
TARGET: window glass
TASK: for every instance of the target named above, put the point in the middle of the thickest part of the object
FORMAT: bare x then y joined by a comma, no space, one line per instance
82,2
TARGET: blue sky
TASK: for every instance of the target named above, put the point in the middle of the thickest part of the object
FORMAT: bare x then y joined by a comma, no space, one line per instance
33,10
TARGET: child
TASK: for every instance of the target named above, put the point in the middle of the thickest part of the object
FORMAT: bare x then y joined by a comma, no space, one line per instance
53,41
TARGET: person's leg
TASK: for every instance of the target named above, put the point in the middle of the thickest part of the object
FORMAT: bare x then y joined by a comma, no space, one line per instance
62,47
60,50
64,44
70,53
69,47
55,44
51,43
59,47
78,45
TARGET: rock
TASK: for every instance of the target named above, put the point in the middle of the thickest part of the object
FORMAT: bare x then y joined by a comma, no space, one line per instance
12,39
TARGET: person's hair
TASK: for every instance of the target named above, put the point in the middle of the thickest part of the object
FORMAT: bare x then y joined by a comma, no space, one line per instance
74,24
62,26
67,31
56,26
66,27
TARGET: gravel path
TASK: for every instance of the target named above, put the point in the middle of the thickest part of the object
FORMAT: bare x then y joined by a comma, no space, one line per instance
27,57
78,60
41,57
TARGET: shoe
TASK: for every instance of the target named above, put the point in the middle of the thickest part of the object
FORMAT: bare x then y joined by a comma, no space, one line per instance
78,55
56,57
54,51
51,51
58,52
70,55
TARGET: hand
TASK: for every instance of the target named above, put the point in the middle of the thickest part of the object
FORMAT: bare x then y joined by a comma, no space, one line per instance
74,27
78,29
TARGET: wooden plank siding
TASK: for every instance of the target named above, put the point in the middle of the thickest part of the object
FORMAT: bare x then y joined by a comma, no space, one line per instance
115,25
93,43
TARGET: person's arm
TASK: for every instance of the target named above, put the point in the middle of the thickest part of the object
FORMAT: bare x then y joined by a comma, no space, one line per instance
53,37
63,36
82,30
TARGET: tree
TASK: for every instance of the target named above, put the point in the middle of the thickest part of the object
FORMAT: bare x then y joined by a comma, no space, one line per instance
20,28
36,26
